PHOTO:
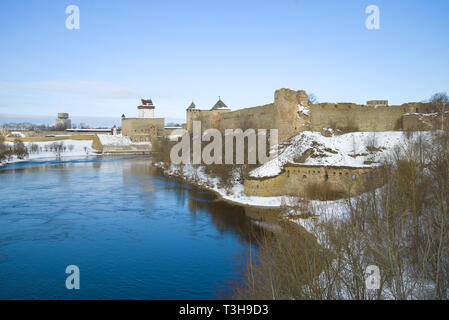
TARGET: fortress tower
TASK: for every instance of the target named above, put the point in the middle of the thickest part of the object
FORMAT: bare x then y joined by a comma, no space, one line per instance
145,127
209,118
282,114
63,122
146,109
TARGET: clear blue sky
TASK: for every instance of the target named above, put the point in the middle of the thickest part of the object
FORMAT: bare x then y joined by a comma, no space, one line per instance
173,51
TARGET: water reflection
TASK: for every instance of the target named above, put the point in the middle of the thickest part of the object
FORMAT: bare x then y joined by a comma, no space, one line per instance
226,217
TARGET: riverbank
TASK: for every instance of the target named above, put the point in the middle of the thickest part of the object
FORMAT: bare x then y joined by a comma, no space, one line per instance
235,195
60,149
294,209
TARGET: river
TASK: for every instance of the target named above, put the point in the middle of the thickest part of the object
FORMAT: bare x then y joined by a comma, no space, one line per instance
133,233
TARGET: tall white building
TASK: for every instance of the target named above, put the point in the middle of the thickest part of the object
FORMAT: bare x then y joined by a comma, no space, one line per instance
146,109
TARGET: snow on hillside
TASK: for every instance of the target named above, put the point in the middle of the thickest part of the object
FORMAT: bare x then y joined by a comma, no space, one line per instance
118,140
196,175
355,149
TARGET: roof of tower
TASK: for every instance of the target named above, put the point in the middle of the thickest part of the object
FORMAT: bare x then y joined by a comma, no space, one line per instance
192,106
146,104
219,105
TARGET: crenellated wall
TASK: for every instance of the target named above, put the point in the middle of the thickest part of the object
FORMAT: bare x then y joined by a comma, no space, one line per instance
282,114
353,117
209,118
291,113
425,122
295,179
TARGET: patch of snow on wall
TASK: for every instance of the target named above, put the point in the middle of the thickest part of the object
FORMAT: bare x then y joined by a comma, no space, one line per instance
303,109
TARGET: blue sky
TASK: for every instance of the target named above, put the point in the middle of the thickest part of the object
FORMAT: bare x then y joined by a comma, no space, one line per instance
176,51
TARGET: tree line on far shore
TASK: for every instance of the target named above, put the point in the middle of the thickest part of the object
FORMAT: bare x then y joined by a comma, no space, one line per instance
21,151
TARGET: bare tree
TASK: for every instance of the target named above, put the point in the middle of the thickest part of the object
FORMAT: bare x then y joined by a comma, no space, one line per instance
3,149
312,98
440,101
19,149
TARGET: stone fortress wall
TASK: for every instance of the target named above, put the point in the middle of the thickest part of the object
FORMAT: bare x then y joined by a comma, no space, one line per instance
283,114
425,122
295,179
146,127
354,117
208,118
142,129
291,113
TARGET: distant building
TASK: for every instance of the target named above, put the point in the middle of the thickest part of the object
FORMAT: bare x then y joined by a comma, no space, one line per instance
377,103
63,122
146,109
146,126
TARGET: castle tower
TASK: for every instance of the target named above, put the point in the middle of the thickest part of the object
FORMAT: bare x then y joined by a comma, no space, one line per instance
146,109
192,106
220,105
63,122
191,114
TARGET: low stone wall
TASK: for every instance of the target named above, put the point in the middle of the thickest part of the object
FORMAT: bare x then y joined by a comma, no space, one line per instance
295,179
424,122
131,149
260,117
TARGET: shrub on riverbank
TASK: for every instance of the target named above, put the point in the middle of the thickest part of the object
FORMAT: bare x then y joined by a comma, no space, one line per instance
17,149
402,228
3,148
227,174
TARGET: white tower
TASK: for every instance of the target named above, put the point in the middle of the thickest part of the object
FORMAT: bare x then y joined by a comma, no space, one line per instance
146,109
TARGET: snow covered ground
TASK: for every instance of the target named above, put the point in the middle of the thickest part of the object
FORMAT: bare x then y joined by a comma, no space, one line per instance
351,149
355,149
118,140
46,150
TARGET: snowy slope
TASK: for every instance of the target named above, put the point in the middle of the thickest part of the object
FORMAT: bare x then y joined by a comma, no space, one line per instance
355,149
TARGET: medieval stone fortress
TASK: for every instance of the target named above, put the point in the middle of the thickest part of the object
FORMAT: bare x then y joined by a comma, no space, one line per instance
146,126
285,115
291,113
308,131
